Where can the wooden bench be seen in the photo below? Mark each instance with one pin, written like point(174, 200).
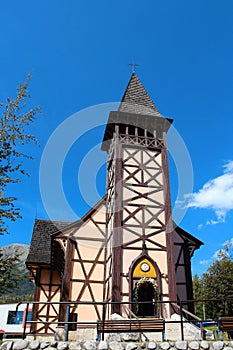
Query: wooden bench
point(225, 324)
point(137, 325)
point(13, 335)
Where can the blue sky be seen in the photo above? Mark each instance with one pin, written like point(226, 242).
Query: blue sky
point(78, 53)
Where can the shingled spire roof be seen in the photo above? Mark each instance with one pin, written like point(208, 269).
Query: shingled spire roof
point(136, 109)
point(136, 99)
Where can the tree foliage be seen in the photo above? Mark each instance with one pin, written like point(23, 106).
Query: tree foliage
point(14, 122)
point(15, 285)
point(198, 292)
point(15, 118)
point(9, 273)
point(216, 283)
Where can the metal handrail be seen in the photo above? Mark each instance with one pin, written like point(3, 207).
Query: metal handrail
point(175, 304)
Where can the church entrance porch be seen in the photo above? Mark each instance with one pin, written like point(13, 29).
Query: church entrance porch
point(145, 287)
point(145, 297)
point(146, 300)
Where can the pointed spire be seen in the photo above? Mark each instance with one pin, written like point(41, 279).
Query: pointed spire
point(136, 99)
point(136, 109)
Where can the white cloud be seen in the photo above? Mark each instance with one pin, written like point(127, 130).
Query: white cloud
point(221, 219)
point(228, 167)
point(204, 262)
point(216, 194)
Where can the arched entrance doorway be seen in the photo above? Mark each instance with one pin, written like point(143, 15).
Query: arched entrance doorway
point(144, 290)
point(146, 297)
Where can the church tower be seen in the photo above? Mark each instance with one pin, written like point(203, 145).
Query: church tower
point(126, 249)
point(140, 233)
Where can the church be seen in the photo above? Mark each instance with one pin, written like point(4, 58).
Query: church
point(126, 250)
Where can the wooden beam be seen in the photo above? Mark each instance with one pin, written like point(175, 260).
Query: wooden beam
point(65, 287)
point(36, 298)
point(117, 229)
point(169, 226)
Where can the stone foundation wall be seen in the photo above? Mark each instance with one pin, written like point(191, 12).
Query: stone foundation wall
point(114, 345)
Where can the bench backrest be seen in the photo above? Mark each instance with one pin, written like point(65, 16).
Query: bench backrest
point(225, 323)
point(138, 324)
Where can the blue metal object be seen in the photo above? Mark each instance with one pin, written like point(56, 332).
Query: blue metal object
point(67, 323)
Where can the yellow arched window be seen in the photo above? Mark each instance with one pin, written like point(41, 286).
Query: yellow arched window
point(144, 268)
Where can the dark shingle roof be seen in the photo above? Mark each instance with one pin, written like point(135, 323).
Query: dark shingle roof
point(136, 109)
point(136, 99)
point(192, 242)
point(40, 247)
point(41, 242)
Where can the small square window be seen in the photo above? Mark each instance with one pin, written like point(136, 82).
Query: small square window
point(15, 317)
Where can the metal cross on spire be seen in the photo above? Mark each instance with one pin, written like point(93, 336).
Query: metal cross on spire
point(133, 65)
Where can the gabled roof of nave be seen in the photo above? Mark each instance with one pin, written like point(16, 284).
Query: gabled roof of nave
point(68, 230)
point(136, 99)
point(40, 247)
point(46, 230)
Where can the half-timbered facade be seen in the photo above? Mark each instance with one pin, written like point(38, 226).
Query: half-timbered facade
point(127, 248)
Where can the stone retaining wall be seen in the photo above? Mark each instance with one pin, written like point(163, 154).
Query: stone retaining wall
point(115, 345)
